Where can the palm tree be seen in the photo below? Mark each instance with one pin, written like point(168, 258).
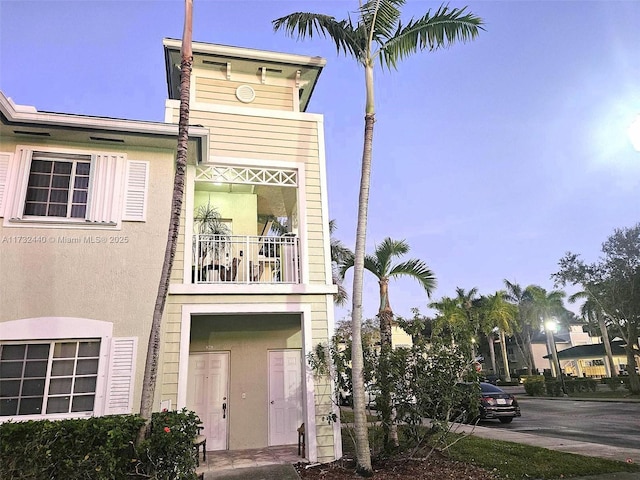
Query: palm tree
point(592, 312)
point(498, 313)
point(382, 266)
point(339, 253)
point(451, 322)
point(377, 35)
point(153, 348)
point(468, 301)
point(522, 298)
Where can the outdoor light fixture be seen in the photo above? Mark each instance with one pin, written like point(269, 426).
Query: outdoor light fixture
point(551, 326)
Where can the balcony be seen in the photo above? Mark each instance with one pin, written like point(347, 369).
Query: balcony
point(245, 259)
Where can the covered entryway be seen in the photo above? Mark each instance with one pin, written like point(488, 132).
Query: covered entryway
point(252, 364)
point(285, 394)
point(207, 394)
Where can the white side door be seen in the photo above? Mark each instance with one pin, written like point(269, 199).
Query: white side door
point(285, 396)
point(207, 395)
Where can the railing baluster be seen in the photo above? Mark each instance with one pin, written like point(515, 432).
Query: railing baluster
point(245, 259)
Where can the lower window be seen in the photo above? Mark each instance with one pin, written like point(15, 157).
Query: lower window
point(48, 377)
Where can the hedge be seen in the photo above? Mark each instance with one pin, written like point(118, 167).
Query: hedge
point(533, 385)
point(99, 448)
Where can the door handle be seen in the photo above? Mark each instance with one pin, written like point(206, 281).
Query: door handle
point(224, 410)
point(271, 402)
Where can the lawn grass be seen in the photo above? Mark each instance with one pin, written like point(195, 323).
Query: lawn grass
point(515, 460)
point(508, 460)
point(621, 393)
point(346, 416)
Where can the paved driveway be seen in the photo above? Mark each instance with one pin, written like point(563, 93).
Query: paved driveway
point(610, 423)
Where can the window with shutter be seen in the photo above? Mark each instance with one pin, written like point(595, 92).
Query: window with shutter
point(62, 367)
point(5, 158)
point(53, 186)
point(121, 376)
point(136, 191)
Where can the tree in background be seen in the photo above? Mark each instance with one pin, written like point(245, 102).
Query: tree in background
point(469, 303)
point(613, 283)
point(523, 299)
point(450, 323)
point(376, 35)
point(381, 265)
point(153, 348)
point(592, 313)
point(339, 254)
point(498, 313)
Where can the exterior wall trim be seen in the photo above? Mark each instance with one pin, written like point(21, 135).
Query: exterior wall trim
point(308, 387)
point(251, 289)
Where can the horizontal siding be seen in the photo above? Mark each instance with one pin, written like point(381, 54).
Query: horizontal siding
point(223, 92)
point(265, 138)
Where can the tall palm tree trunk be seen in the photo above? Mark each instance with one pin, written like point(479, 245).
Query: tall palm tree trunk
point(492, 352)
point(530, 360)
point(385, 404)
point(363, 454)
point(607, 345)
point(505, 360)
point(153, 348)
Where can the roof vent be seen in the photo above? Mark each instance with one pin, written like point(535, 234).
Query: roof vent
point(245, 94)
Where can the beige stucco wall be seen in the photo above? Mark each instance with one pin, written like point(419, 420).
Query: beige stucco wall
point(115, 280)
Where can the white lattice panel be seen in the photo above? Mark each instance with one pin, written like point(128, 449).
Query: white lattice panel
point(247, 175)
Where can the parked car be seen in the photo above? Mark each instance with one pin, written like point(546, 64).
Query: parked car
point(345, 398)
point(494, 403)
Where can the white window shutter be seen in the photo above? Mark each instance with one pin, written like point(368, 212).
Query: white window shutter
point(16, 186)
point(137, 184)
point(121, 375)
point(5, 158)
point(107, 178)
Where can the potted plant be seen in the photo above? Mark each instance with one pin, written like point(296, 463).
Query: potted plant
point(213, 235)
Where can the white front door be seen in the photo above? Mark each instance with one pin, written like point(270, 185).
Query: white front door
point(285, 396)
point(207, 395)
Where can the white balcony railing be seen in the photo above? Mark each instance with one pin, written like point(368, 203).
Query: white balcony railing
point(245, 259)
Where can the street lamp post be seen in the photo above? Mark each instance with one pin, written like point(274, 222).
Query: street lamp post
point(550, 328)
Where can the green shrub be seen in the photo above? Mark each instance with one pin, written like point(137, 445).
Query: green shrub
point(612, 383)
point(553, 388)
point(168, 454)
point(533, 385)
point(99, 448)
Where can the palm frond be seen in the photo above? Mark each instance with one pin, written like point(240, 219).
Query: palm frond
point(443, 28)
point(340, 298)
point(380, 17)
point(418, 270)
point(346, 264)
point(372, 264)
point(303, 25)
point(387, 250)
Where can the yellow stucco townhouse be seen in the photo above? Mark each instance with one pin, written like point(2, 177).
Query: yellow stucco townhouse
point(84, 207)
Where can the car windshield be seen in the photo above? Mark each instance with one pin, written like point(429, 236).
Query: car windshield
point(488, 388)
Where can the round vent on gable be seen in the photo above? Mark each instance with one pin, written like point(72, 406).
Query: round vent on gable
point(245, 94)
